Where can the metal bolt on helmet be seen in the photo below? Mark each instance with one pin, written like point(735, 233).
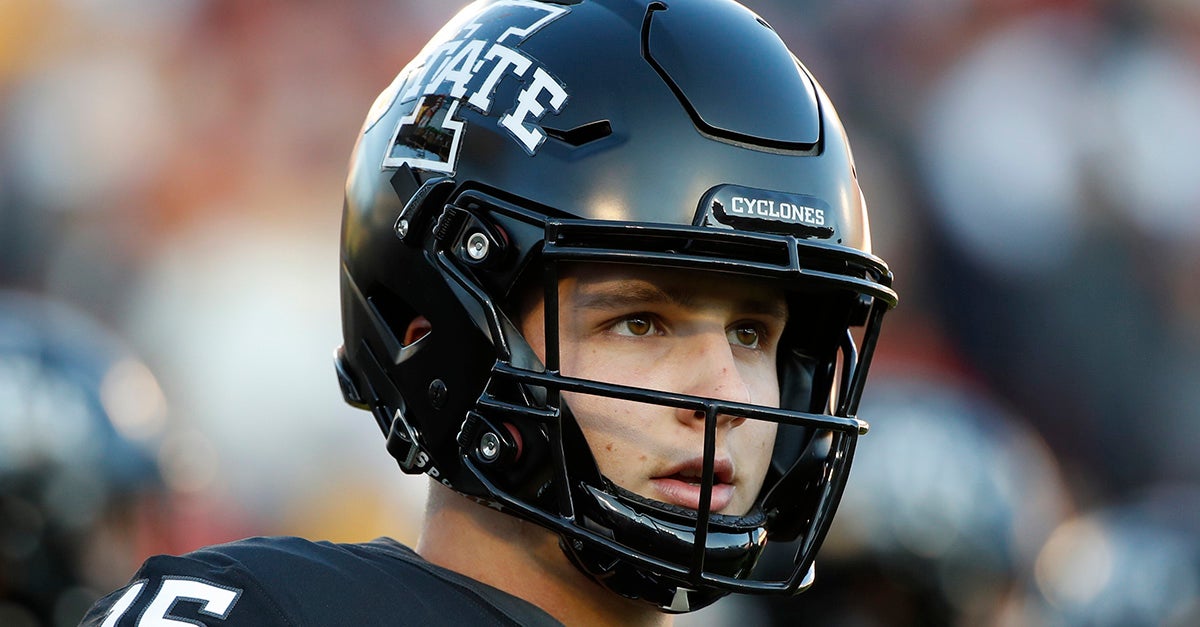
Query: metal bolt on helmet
point(531, 134)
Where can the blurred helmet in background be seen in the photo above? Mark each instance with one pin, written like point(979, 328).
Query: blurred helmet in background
point(951, 499)
point(80, 416)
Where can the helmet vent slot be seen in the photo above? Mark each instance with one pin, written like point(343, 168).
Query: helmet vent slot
point(582, 134)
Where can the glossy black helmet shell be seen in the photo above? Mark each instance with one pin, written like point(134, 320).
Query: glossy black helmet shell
point(527, 134)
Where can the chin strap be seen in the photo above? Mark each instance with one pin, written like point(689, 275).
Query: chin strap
point(733, 545)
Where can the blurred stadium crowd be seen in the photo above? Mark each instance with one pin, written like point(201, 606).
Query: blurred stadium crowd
point(170, 194)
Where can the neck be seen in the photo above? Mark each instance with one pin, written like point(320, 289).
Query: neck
point(522, 559)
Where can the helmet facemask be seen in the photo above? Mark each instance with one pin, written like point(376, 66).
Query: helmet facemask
point(526, 449)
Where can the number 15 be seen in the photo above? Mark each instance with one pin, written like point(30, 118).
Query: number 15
point(216, 602)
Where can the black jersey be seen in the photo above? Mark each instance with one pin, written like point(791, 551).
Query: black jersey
point(292, 581)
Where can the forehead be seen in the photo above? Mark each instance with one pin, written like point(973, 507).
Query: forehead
point(679, 285)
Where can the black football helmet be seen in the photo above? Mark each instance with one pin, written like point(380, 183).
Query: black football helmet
point(676, 134)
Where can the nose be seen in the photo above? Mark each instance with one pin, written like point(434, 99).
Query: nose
point(713, 372)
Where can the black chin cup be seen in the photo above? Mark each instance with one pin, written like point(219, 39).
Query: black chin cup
point(730, 547)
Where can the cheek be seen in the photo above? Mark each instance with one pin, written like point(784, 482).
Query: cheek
point(762, 380)
point(753, 443)
point(585, 360)
point(532, 327)
point(605, 419)
point(614, 429)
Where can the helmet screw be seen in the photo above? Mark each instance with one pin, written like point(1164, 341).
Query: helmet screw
point(402, 228)
point(438, 394)
point(477, 246)
point(489, 447)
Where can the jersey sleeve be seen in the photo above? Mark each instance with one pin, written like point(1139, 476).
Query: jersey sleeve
point(208, 589)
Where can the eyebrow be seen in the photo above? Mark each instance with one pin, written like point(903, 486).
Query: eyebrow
point(633, 295)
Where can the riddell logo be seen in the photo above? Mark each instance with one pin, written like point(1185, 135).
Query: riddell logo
point(465, 71)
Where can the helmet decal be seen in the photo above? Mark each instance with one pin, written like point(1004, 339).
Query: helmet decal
point(464, 66)
point(762, 210)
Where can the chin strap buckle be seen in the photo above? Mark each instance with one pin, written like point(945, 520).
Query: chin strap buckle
point(402, 444)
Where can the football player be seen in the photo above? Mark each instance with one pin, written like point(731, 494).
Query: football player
point(606, 279)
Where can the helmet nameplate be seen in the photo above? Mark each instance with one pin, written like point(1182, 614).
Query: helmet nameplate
point(767, 211)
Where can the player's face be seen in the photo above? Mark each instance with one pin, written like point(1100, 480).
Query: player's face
point(688, 332)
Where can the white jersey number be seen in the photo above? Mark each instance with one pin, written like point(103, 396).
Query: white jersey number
point(216, 601)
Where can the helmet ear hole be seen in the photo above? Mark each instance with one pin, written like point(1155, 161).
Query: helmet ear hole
point(417, 329)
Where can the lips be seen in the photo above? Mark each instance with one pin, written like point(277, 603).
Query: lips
point(681, 484)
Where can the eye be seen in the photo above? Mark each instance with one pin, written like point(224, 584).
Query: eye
point(745, 335)
point(636, 325)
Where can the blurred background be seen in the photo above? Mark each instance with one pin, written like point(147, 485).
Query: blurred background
point(171, 180)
